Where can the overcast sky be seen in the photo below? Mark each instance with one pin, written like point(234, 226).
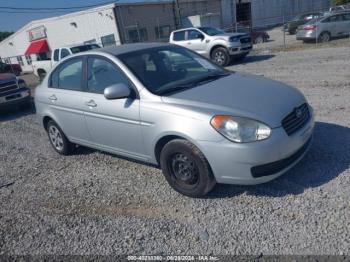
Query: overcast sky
point(14, 21)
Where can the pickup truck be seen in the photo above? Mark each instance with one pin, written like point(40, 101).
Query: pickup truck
point(13, 91)
point(214, 43)
point(41, 68)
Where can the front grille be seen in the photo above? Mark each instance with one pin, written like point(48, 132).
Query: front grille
point(296, 120)
point(4, 87)
point(278, 166)
point(245, 40)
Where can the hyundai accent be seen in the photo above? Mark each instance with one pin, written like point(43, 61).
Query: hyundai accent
point(166, 105)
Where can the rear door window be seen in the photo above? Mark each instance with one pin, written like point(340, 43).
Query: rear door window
point(55, 54)
point(179, 36)
point(69, 75)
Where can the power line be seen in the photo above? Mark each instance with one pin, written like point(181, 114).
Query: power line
point(54, 8)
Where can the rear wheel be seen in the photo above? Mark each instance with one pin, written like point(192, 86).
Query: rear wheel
point(58, 139)
point(324, 37)
point(186, 168)
point(221, 56)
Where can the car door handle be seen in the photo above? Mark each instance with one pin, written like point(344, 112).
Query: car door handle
point(91, 103)
point(53, 98)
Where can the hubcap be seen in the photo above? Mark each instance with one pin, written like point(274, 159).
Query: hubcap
point(259, 40)
point(184, 170)
point(325, 38)
point(56, 138)
point(219, 57)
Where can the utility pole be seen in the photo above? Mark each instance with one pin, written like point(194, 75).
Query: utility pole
point(178, 14)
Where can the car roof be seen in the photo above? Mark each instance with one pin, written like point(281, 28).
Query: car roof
point(127, 48)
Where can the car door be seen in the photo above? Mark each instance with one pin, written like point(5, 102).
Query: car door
point(196, 41)
point(65, 100)
point(114, 125)
point(335, 25)
point(179, 38)
point(347, 24)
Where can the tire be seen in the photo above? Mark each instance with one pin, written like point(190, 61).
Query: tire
point(41, 74)
point(186, 168)
point(259, 40)
point(324, 37)
point(221, 56)
point(58, 139)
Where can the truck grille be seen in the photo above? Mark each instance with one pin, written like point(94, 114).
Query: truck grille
point(4, 87)
point(245, 40)
point(296, 120)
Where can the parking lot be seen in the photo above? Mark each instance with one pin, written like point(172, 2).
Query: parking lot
point(96, 203)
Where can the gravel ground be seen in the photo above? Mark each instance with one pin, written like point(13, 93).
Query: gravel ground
point(96, 203)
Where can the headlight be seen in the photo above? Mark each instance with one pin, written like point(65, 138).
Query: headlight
point(240, 129)
point(21, 84)
point(234, 38)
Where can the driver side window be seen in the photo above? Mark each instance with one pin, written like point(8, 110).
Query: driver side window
point(194, 34)
point(101, 74)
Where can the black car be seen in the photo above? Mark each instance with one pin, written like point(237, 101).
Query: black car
point(291, 26)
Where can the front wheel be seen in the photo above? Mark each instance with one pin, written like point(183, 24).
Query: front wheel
point(58, 139)
point(221, 56)
point(186, 168)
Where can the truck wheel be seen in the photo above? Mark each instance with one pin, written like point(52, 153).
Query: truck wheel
point(186, 168)
point(41, 74)
point(58, 139)
point(221, 56)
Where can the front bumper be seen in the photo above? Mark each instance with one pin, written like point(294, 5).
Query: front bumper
point(234, 163)
point(238, 48)
point(15, 97)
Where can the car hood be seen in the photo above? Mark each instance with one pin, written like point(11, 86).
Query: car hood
point(228, 35)
point(242, 95)
point(7, 77)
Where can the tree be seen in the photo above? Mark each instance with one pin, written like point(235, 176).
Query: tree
point(4, 34)
point(340, 2)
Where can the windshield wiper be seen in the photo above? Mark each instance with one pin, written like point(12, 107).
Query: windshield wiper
point(195, 83)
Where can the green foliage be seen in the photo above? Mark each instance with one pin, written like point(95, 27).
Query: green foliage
point(4, 34)
point(340, 2)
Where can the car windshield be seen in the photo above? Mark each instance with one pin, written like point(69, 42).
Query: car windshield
point(170, 69)
point(211, 31)
point(83, 48)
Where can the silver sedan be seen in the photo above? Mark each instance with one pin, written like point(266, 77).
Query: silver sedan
point(166, 105)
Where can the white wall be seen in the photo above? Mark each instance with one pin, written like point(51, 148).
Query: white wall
point(60, 32)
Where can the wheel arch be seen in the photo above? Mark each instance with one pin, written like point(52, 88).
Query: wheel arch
point(166, 138)
point(215, 47)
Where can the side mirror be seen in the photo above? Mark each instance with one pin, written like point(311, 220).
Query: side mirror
point(201, 37)
point(117, 91)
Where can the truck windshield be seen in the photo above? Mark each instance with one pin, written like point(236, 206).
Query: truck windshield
point(211, 31)
point(170, 69)
point(83, 48)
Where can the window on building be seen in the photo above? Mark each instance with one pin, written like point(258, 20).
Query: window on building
point(108, 40)
point(138, 35)
point(29, 59)
point(179, 36)
point(20, 60)
point(55, 54)
point(102, 74)
point(69, 75)
point(162, 31)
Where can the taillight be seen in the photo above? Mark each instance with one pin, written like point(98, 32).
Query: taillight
point(310, 27)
